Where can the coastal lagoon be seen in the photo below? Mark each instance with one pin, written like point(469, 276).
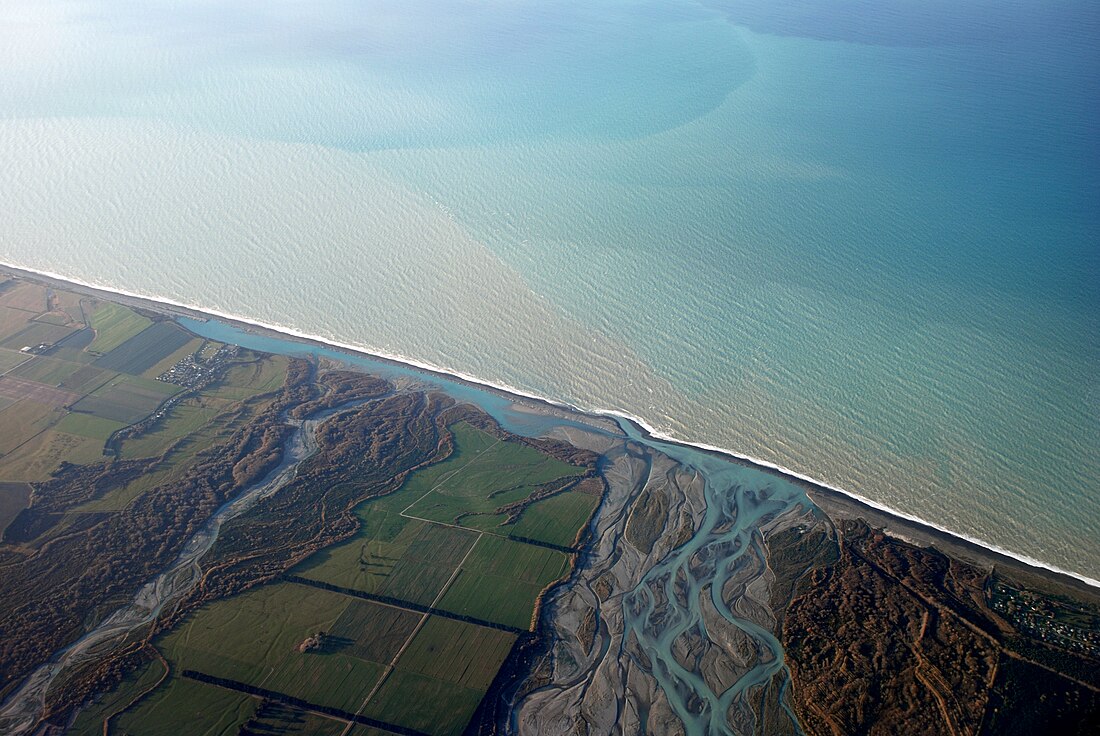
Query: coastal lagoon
point(855, 239)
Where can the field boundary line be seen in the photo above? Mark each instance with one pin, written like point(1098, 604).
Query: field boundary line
point(322, 710)
point(403, 605)
point(419, 625)
point(446, 478)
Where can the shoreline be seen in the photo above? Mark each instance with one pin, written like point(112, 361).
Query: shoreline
point(834, 496)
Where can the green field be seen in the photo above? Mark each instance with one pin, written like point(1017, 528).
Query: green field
point(38, 458)
point(392, 555)
point(402, 558)
point(87, 379)
point(188, 348)
point(126, 399)
point(423, 703)
point(411, 559)
point(11, 322)
point(456, 652)
point(278, 719)
point(114, 324)
point(25, 296)
point(36, 333)
point(89, 722)
point(556, 520)
point(183, 419)
point(88, 425)
point(249, 379)
point(441, 667)
point(253, 638)
point(145, 349)
point(47, 370)
point(501, 580)
point(23, 420)
point(184, 706)
point(10, 359)
point(482, 475)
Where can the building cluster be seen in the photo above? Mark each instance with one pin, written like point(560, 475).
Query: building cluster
point(1047, 621)
point(193, 371)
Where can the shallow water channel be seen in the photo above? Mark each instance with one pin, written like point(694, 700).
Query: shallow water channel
point(665, 605)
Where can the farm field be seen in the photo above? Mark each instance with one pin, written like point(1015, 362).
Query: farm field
point(89, 722)
point(501, 581)
point(145, 349)
point(114, 324)
point(440, 670)
point(417, 616)
point(556, 520)
point(10, 359)
point(60, 404)
point(480, 477)
point(412, 617)
point(46, 370)
point(253, 638)
point(40, 456)
point(126, 399)
point(36, 333)
point(498, 579)
point(186, 706)
point(24, 296)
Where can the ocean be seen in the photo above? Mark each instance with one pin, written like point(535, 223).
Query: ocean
point(859, 239)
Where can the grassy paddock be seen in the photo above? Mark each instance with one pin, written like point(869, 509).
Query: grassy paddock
point(9, 359)
point(249, 379)
point(557, 519)
point(172, 358)
point(47, 370)
point(145, 349)
point(88, 425)
point(89, 722)
point(482, 475)
point(416, 701)
point(25, 296)
point(501, 581)
point(253, 638)
point(126, 399)
point(36, 333)
point(114, 324)
point(459, 653)
point(23, 420)
point(37, 460)
point(185, 706)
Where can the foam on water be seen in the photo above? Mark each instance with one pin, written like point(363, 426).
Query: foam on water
point(855, 247)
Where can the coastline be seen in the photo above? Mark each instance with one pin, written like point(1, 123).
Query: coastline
point(833, 497)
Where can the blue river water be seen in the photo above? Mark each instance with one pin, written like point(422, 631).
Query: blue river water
point(739, 500)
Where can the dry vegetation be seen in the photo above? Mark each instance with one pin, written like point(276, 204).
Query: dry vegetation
point(883, 637)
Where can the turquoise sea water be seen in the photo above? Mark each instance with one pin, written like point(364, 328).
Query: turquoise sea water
point(857, 239)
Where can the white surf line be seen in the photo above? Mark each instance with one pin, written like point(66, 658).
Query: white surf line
point(613, 413)
point(419, 625)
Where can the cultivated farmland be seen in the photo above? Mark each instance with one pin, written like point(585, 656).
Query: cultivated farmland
point(145, 349)
point(114, 324)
